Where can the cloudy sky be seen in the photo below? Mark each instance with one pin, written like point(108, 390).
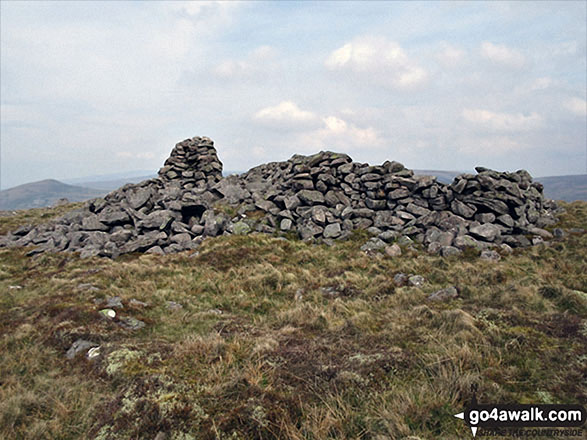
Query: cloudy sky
point(103, 87)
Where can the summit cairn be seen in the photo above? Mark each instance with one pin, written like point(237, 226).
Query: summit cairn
point(193, 162)
point(323, 197)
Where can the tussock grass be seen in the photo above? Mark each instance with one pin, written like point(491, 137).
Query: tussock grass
point(282, 339)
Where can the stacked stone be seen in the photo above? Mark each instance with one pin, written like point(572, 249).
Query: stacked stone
point(193, 162)
point(321, 197)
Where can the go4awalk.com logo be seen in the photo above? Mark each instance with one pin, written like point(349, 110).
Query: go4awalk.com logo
point(504, 419)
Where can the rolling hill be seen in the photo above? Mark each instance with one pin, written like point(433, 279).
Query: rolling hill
point(44, 193)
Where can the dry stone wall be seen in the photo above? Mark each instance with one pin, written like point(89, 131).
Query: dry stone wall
point(321, 197)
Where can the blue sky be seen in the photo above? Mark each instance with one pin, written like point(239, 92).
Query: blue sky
point(98, 87)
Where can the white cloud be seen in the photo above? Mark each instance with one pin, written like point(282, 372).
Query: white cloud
point(378, 59)
point(286, 115)
point(203, 8)
point(449, 55)
point(503, 55)
point(576, 106)
point(490, 146)
point(502, 121)
point(339, 134)
point(315, 131)
point(263, 52)
point(256, 64)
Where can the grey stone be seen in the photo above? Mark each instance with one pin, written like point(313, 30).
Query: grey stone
point(121, 237)
point(184, 240)
point(506, 219)
point(310, 197)
point(157, 220)
point(487, 232)
point(404, 240)
point(197, 229)
point(543, 233)
point(212, 227)
point(318, 215)
point(80, 345)
point(241, 228)
point(92, 223)
point(416, 280)
point(449, 251)
point(136, 199)
point(233, 194)
point(112, 217)
point(332, 230)
point(130, 323)
point(506, 249)
point(434, 248)
point(400, 279)
point(144, 242)
point(486, 217)
point(558, 233)
point(412, 208)
point(172, 305)
point(462, 209)
point(286, 224)
point(393, 251)
point(389, 236)
point(399, 193)
point(136, 303)
point(373, 244)
point(490, 255)
point(445, 294)
point(373, 230)
point(376, 204)
point(308, 230)
point(114, 302)
point(291, 202)
point(155, 250)
point(465, 241)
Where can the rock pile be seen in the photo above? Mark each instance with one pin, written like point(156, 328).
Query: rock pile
point(319, 197)
point(192, 162)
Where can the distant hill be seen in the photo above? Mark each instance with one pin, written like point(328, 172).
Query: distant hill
point(567, 188)
point(111, 185)
point(44, 193)
point(110, 182)
point(441, 176)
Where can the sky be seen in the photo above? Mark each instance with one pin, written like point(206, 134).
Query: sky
point(90, 88)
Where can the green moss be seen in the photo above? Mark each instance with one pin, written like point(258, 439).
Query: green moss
point(119, 359)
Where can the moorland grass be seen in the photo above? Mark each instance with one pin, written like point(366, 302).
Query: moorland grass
point(257, 351)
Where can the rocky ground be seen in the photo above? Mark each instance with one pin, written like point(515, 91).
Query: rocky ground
point(323, 198)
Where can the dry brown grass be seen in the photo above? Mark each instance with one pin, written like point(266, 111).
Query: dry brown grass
point(259, 351)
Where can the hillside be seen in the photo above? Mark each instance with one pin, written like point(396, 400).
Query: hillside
point(261, 337)
point(44, 193)
point(111, 181)
point(567, 188)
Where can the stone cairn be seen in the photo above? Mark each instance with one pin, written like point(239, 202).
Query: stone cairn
point(323, 197)
point(193, 162)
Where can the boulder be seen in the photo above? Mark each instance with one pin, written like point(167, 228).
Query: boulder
point(310, 197)
point(487, 232)
point(445, 294)
point(332, 230)
point(393, 251)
